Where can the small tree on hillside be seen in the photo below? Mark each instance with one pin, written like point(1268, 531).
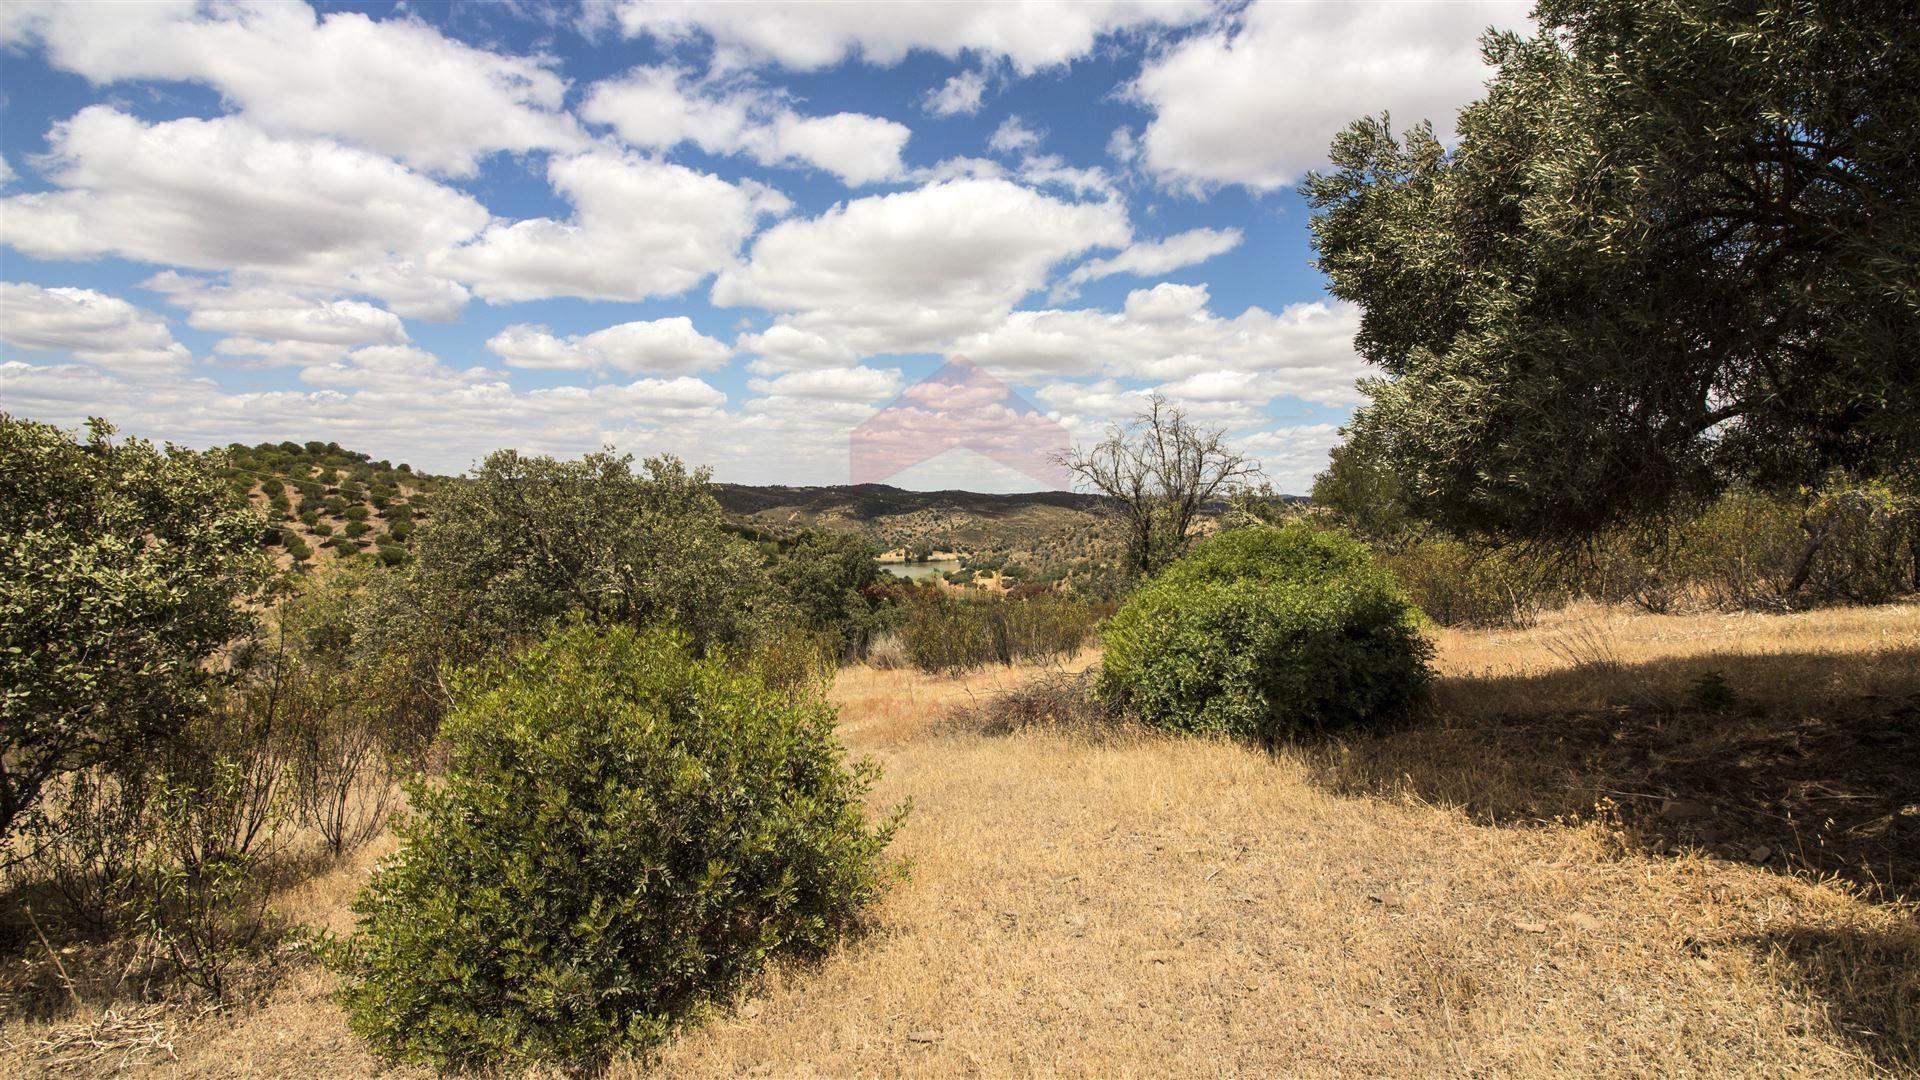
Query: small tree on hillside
point(1160, 471)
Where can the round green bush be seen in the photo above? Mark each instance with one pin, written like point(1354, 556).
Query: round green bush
point(1268, 633)
point(624, 834)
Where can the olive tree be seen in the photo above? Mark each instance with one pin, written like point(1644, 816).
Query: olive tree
point(1673, 251)
point(124, 571)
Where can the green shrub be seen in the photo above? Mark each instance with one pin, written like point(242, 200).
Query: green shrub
point(946, 634)
point(830, 581)
point(524, 540)
point(624, 834)
point(1844, 543)
point(1266, 633)
point(125, 571)
point(1459, 584)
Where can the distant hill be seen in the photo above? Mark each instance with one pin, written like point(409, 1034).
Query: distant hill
point(895, 517)
point(324, 502)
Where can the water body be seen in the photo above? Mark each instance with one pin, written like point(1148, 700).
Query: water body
point(914, 571)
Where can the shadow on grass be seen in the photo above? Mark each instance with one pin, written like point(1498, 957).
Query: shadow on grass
point(1794, 769)
point(73, 948)
point(1870, 981)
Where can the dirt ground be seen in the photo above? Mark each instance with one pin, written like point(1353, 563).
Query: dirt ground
point(1560, 872)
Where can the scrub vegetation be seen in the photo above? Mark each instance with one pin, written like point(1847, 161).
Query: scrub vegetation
point(1568, 729)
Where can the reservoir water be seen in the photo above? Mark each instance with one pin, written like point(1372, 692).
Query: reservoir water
point(914, 571)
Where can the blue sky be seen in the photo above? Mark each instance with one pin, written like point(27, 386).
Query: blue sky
point(731, 232)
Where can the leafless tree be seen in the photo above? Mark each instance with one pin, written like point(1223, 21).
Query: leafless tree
point(1160, 471)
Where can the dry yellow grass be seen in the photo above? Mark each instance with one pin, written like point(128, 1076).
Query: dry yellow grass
point(1148, 906)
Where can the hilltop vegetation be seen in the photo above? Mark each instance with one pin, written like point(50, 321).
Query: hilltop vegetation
point(324, 503)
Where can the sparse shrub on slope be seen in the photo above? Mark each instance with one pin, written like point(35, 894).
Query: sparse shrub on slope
point(944, 634)
point(624, 833)
point(1267, 633)
point(1460, 584)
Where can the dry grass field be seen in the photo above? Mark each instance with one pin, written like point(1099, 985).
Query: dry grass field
point(1581, 865)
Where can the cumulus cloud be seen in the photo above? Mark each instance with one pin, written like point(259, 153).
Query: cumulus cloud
point(1167, 334)
point(1250, 104)
point(808, 36)
point(784, 348)
point(1013, 136)
point(960, 95)
point(396, 86)
point(1148, 258)
point(7, 175)
point(391, 400)
point(274, 324)
point(222, 195)
point(1292, 455)
point(89, 326)
point(662, 346)
point(1049, 170)
point(852, 383)
point(640, 228)
point(662, 107)
point(911, 269)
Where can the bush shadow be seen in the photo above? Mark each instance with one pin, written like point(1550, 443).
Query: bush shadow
point(1801, 762)
point(1869, 980)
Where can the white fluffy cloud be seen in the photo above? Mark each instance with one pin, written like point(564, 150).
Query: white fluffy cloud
point(1013, 136)
point(853, 383)
point(222, 195)
point(911, 269)
point(277, 325)
point(960, 95)
point(1292, 455)
point(1251, 104)
point(1167, 334)
point(396, 86)
point(783, 347)
point(392, 401)
point(662, 346)
point(640, 228)
point(662, 107)
point(1152, 257)
point(808, 36)
point(89, 325)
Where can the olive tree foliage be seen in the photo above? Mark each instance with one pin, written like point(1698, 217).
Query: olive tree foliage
point(1676, 247)
point(124, 570)
point(1160, 471)
point(525, 540)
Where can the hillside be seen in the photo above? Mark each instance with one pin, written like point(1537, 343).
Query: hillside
point(325, 503)
point(894, 517)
